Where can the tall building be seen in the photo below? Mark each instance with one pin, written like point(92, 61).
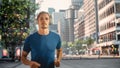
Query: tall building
point(59, 20)
point(90, 19)
point(109, 26)
point(62, 25)
point(56, 16)
point(71, 15)
point(77, 3)
point(53, 27)
point(79, 26)
point(70, 24)
point(51, 10)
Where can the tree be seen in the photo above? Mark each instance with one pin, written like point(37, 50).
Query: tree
point(14, 20)
point(78, 45)
point(89, 41)
point(65, 46)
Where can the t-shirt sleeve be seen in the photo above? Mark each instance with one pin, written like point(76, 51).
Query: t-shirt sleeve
point(59, 43)
point(27, 45)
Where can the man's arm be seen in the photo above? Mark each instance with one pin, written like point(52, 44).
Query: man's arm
point(24, 58)
point(59, 54)
point(59, 57)
point(25, 61)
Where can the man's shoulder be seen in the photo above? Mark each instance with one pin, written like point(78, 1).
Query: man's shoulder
point(54, 33)
point(31, 35)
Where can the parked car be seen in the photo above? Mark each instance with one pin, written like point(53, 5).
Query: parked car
point(10, 54)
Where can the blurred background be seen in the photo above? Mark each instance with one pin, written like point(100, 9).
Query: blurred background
point(89, 29)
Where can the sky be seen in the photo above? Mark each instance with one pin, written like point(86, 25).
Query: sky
point(57, 4)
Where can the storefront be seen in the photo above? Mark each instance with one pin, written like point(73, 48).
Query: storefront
point(96, 51)
point(110, 50)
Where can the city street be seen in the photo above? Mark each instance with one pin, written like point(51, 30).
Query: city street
point(91, 63)
point(82, 63)
point(83, 33)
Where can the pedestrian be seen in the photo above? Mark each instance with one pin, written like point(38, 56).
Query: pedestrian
point(42, 45)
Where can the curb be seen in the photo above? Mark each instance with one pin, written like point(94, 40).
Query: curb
point(91, 57)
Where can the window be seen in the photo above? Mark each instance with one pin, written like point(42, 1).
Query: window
point(117, 7)
point(118, 24)
point(104, 3)
point(114, 35)
point(119, 37)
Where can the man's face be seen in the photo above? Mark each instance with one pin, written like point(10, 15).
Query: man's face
point(43, 21)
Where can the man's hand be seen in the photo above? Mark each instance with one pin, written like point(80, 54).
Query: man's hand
point(57, 63)
point(34, 64)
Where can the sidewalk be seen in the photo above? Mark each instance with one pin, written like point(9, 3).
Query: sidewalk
point(90, 57)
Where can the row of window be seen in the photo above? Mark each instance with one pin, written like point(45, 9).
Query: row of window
point(107, 13)
point(108, 37)
point(104, 3)
point(90, 12)
point(107, 25)
point(110, 11)
point(81, 29)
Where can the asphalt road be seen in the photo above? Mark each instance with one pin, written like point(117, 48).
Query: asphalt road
point(82, 63)
point(9, 64)
point(91, 63)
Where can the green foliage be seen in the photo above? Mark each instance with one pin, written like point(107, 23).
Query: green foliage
point(64, 44)
point(16, 11)
point(89, 41)
point(78, 44)
point(14, 17)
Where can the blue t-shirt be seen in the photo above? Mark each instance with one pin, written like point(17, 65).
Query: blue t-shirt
point(43, 48)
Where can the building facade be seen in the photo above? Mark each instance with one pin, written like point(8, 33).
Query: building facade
point(51, 10)
point(59, 20)
point(70, 24)
point(89, 17)
point(109, 26)
point(71, 15)
point(79, 27)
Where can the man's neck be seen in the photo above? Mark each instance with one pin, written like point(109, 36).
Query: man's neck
point(43, 31)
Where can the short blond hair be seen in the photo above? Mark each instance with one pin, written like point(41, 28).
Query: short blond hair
point(43, 12)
